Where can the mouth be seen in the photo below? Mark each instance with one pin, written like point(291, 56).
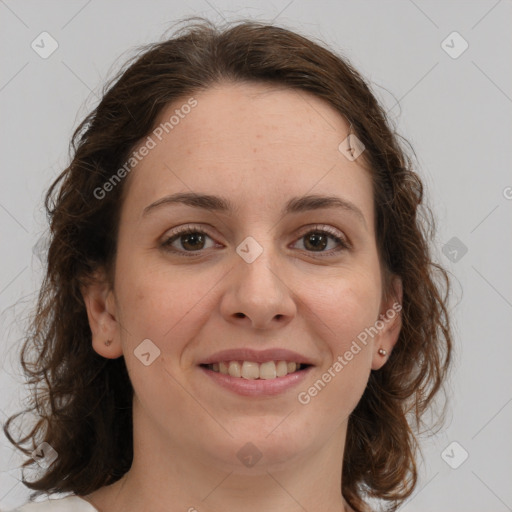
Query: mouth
point(252, 370)
point(257, 373)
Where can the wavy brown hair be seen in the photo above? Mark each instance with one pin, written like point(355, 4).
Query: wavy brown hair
point(83, 401)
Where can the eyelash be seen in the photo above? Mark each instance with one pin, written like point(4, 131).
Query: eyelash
point(190, 229)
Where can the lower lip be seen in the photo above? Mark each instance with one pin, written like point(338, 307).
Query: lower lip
point(257, 387)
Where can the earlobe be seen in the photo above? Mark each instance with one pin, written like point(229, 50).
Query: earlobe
point(391, 321)
point(100, 305)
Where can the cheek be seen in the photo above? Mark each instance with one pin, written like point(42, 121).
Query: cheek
point(167, 306)
point(343, 315)
point(346, 308)
point(163, 307)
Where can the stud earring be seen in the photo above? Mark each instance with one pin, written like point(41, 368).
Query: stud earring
point(382, 352)
point(108, 342)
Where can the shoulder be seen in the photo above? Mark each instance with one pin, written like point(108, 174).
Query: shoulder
point(68, 504)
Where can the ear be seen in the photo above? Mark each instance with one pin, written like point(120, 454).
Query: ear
point(391, 321)
point(101, 311)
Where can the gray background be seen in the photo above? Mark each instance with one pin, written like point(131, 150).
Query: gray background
point(456, 112)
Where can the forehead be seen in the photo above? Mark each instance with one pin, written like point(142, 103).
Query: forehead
point(251, 141)
point(259, 116)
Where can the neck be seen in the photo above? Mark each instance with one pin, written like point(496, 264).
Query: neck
point(168, 476)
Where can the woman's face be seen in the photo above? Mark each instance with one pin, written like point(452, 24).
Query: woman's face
point(265, 275)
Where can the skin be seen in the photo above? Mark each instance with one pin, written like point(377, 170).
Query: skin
point(258, 146)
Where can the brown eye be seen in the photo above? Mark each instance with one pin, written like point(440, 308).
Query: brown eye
point(186, 240)
point(191, 241)
point(318, 240)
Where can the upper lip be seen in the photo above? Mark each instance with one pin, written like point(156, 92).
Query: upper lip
point(257, 356)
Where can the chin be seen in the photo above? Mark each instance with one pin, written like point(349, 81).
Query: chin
point(269, 446)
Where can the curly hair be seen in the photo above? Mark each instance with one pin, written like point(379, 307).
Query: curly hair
point(84, 401)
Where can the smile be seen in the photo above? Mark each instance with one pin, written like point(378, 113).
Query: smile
point(251, 370)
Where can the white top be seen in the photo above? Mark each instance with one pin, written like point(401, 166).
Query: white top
point(68, 504)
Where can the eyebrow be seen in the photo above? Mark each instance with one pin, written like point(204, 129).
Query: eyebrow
point(224, 205)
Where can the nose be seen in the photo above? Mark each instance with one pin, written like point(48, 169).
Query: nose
point(257, 294)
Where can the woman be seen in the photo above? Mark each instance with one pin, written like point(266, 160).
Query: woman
point(240, 308)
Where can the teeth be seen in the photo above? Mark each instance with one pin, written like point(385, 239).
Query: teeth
point(234, 369)
point(268, 370)
point(251, 370)
point(281, 368)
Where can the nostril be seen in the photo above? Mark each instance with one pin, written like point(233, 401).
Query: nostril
point(239, 315)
